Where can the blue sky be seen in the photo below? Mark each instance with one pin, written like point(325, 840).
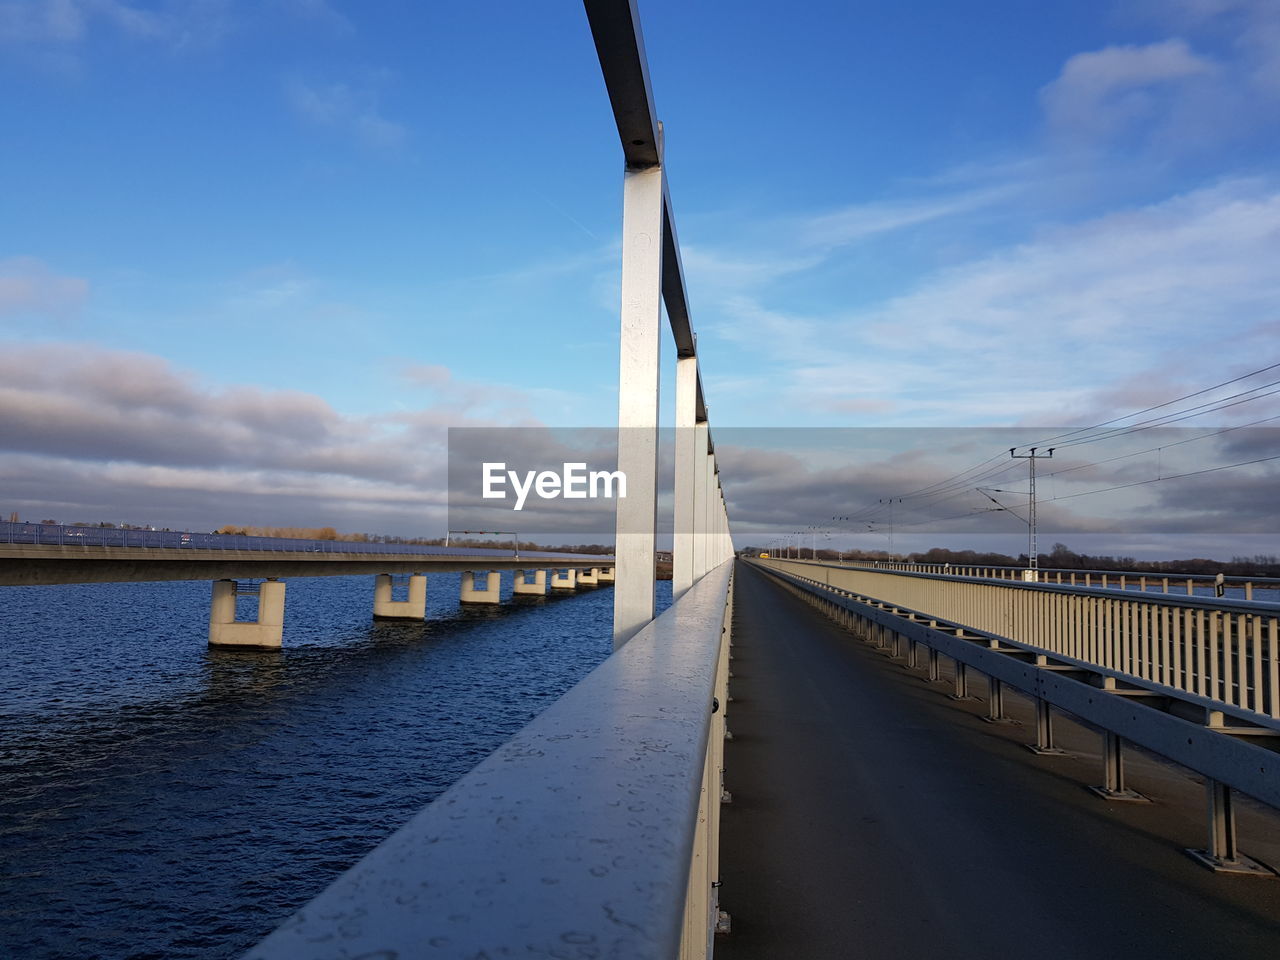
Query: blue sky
point(254, 257)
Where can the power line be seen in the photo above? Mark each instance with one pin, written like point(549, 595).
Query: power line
point(964, 481)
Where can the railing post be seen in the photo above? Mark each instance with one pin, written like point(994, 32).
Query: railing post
point(1222, 854)
point(638, 391)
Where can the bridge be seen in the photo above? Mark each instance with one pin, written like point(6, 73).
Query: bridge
point(45, 554)
point(806, 759)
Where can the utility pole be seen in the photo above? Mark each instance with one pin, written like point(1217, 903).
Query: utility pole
point(1033, 558)
point(891, 501)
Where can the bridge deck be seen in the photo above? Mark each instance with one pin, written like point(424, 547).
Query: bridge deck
point(874, 817)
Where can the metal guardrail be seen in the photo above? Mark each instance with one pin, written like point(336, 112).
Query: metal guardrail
point(1227, 651)
point(591, 833)
point(1232, 748)
point(62, 535)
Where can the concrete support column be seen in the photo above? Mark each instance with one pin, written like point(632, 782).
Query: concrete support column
point(564, 579)
point(266, 632)
point(490, 593)
point(589, 578)
point(537, 588)
point(413, 608)
point(605, 575)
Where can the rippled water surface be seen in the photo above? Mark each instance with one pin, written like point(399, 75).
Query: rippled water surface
point(160, 799)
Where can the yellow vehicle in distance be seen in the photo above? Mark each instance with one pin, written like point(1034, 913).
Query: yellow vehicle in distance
point(764, 556)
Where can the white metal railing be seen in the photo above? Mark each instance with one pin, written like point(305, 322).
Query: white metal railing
point(592, 832)
point(1223, 650)
point(1139, 580)
point(595, 831)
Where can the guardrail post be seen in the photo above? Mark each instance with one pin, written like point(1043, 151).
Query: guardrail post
point(1222, 855)
point(1044, 744)
point(961, 689)
point(995, 703)
point(1113, 786)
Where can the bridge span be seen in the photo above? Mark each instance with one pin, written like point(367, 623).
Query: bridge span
point(47, 554)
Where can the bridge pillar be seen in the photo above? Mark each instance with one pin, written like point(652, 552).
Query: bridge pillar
point(266, 632)
point(489, 593)
point(564, 579)
point(589, 578)
point(385, 608)
point(538, 587)
point(606, 575)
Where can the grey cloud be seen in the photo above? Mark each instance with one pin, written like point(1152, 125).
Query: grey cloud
point(95, 427)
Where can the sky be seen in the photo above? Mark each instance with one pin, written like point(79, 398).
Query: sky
point(257, 257)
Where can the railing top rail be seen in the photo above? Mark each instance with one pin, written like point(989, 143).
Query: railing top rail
point(572, 839)
point(1156, 574)
point(1163, 599)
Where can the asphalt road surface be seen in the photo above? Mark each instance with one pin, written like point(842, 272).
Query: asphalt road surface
point(873, 817)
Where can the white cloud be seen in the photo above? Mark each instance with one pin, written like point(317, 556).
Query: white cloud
point(1185, 284)
point(864, 221)
point(342, 107)
point(63, 23)
point(1103, 93)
